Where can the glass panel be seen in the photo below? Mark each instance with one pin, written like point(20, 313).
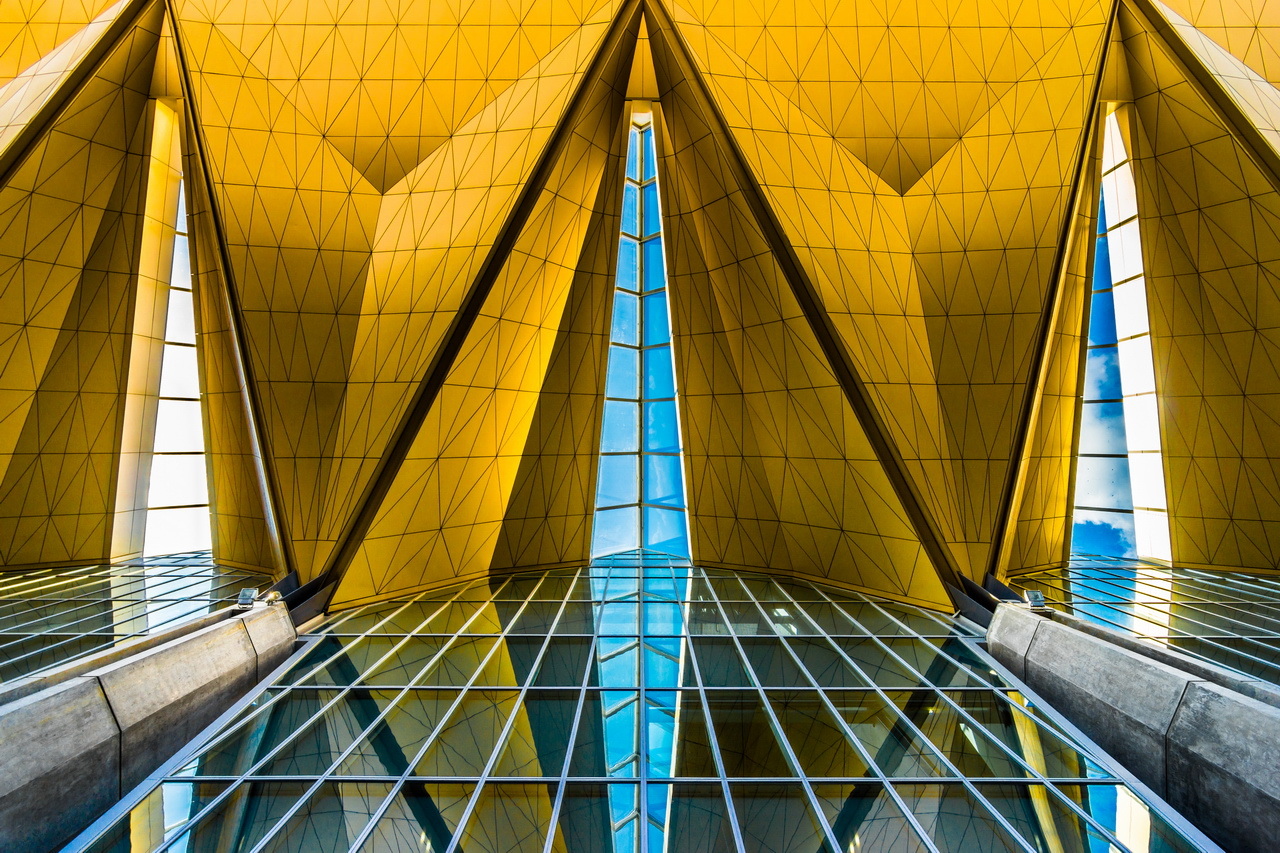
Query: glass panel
point(587, 820)
point(621, 431)
point(1102, 428)
point(244, 818)
point(663, 481)
point(468, 738)
point(864, 817)
point(179, 429)
point(818, 741)
point(1102, 374)
point(564, 662)
point(654, 263)
point(720, 664)
point(665, 531)
point(332, 818)
point(319, 745)
point(877, 664)
point(619, 481)
point(1102, 316)
point(539, 740)
point(777, 818)
point(924, 659)
point(164, 812)
point(171, 531)
point(626, 328)
point(955, 820)
point(896, 749)
point(659, 378)
point(1042, 818)
point(389, 746)
point(689, 816)
point(631, 209)
point(616, 530)
point(745, 735)
point(628, 264)
point(509, 818)
point(773, 666)
point(458, 663)
point(1103, 482)
point(624, 373)
point(421, 818)
point(657, 329)
point(633, 156)
point(180, 273)
point(973, 753)
point(652, 216)
point(825, 664)
point(179, 375)
point(661, 434)
point(404, 664)
point(1133, 822)
point(650, 155)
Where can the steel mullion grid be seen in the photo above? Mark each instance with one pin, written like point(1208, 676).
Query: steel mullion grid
point(912, 819)
point(194, 821)
point(445, 718)
point(713, 738)
point(500, 744)
point(1050, 782)
point(1172, 632)
point(303, 800)
point(168, 597)
point(946, 762)
point(1203, 591)
point(643, 779)
point(774, 723)
point(572, 744)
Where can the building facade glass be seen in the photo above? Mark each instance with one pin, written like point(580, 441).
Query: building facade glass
point(638, 705)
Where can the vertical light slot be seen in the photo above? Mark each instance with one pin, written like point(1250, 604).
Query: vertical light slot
point(1121, 506)
point(178, 496)
point(640, 490)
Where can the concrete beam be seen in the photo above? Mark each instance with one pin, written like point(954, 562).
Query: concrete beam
point(1223, 766)
point(59, 764)
point(70, 751)
point(1212, 752)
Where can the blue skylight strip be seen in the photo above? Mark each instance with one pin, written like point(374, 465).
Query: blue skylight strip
point(640, 496)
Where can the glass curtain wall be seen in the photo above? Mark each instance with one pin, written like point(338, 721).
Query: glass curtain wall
point(640, 492)
point(794, 717)
point(1121, 507)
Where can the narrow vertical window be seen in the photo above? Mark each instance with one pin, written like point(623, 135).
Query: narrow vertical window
point(178, 495)
point(1121, 508)
point(640, 496)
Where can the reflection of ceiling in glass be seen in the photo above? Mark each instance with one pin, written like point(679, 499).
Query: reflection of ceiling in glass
point(641, 704)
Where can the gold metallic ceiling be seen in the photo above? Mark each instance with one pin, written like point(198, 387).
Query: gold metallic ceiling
point(405, 217)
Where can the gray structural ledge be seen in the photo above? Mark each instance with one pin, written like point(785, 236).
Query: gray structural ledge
point(1204, 738)
point(69, 752)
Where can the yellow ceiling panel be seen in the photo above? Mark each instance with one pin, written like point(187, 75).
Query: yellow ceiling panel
point(32, 30)
point(446, 504)
point(69, 237)
point(957, 259)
